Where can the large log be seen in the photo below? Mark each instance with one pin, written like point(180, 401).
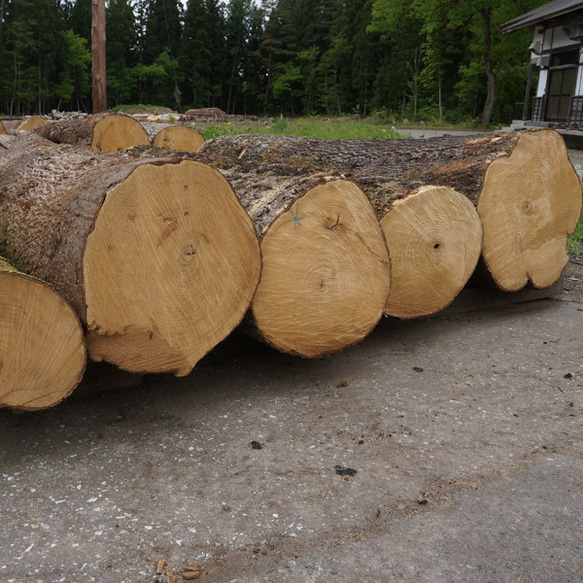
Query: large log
point(42, 346)
point(157, 256)
point(103, 132)
point(326, 270)
point(526, 191)
point(177, 137)
point(433, 232)
point(30, 124)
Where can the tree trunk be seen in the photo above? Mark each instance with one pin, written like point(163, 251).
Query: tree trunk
point(98, 56)
point(491, 76)
point(176, 137)
point(326, 271)
point(526, 191)
point(102, 132)
point(157, 256)
point(2, 128)
point(42, 347)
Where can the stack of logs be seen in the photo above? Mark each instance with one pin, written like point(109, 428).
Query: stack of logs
point(148, 254)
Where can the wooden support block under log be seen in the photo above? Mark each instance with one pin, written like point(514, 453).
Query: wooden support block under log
point(326, 271)
point(102, 132)
point(42, 346)
point(176, 137)
point(523, 184)
point(157, 256)
point(433, 233)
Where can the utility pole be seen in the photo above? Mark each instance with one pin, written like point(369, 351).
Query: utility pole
point(98, 64)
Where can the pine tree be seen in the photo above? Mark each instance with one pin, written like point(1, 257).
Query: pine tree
point(122, 55)
point(196, 54)
point(163, 29)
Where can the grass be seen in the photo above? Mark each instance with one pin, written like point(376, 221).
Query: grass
point(575, 241)
point(335, 127)
point(313, 127)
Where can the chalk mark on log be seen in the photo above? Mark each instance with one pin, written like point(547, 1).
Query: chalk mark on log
point(296, 220)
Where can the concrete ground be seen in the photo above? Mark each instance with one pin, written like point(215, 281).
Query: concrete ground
point(440, 450)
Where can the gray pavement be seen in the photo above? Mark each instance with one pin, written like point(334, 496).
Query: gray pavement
point(441, 450)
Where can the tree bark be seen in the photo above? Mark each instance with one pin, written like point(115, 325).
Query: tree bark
point(433, 232)
point(98, 56)
point(177, 137)
point(103, 132)
point(157, 256)
point(326, 271)
point(42, 346)
point(525, 189)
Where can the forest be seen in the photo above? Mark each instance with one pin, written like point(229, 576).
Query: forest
point(432, 60)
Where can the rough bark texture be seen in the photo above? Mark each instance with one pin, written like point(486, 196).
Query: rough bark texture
point(434, 234)
point(103, 132)
point(326, 271)
point(157, 256)
point(98, 56)
point(525, 229)
point(42, 346)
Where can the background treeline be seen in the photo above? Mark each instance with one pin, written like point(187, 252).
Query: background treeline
point(415, 59)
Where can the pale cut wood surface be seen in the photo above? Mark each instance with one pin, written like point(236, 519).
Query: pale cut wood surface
point(434, 237)
point(326, 269)
point(42, 346)
point(529, 205)
point(31, 123)
point(182, 231)
point(174, 262)
point(103, 132)
point(177, 137)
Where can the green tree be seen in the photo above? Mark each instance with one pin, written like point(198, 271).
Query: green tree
point(122, 38)
point(162, 29)
point(34, 53)
point(75, 77)
point(399, 25)
point(201, 53)
point(460, 42)
point(79, 19)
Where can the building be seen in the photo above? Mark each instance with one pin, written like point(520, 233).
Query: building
point(557, 51)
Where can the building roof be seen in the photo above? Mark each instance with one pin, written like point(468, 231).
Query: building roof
point(544, 13)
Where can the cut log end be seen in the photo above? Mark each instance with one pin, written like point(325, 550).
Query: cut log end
point(435, 239)
point(170, 268)
point(31, 123)
point(42, 348)
point(326, 272)
point(114, 133)
point(530, 204)
point(181, 138)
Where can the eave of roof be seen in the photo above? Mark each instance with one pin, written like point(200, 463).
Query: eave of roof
point(543, 13)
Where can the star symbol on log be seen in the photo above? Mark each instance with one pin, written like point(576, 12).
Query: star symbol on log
point(296, 218)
